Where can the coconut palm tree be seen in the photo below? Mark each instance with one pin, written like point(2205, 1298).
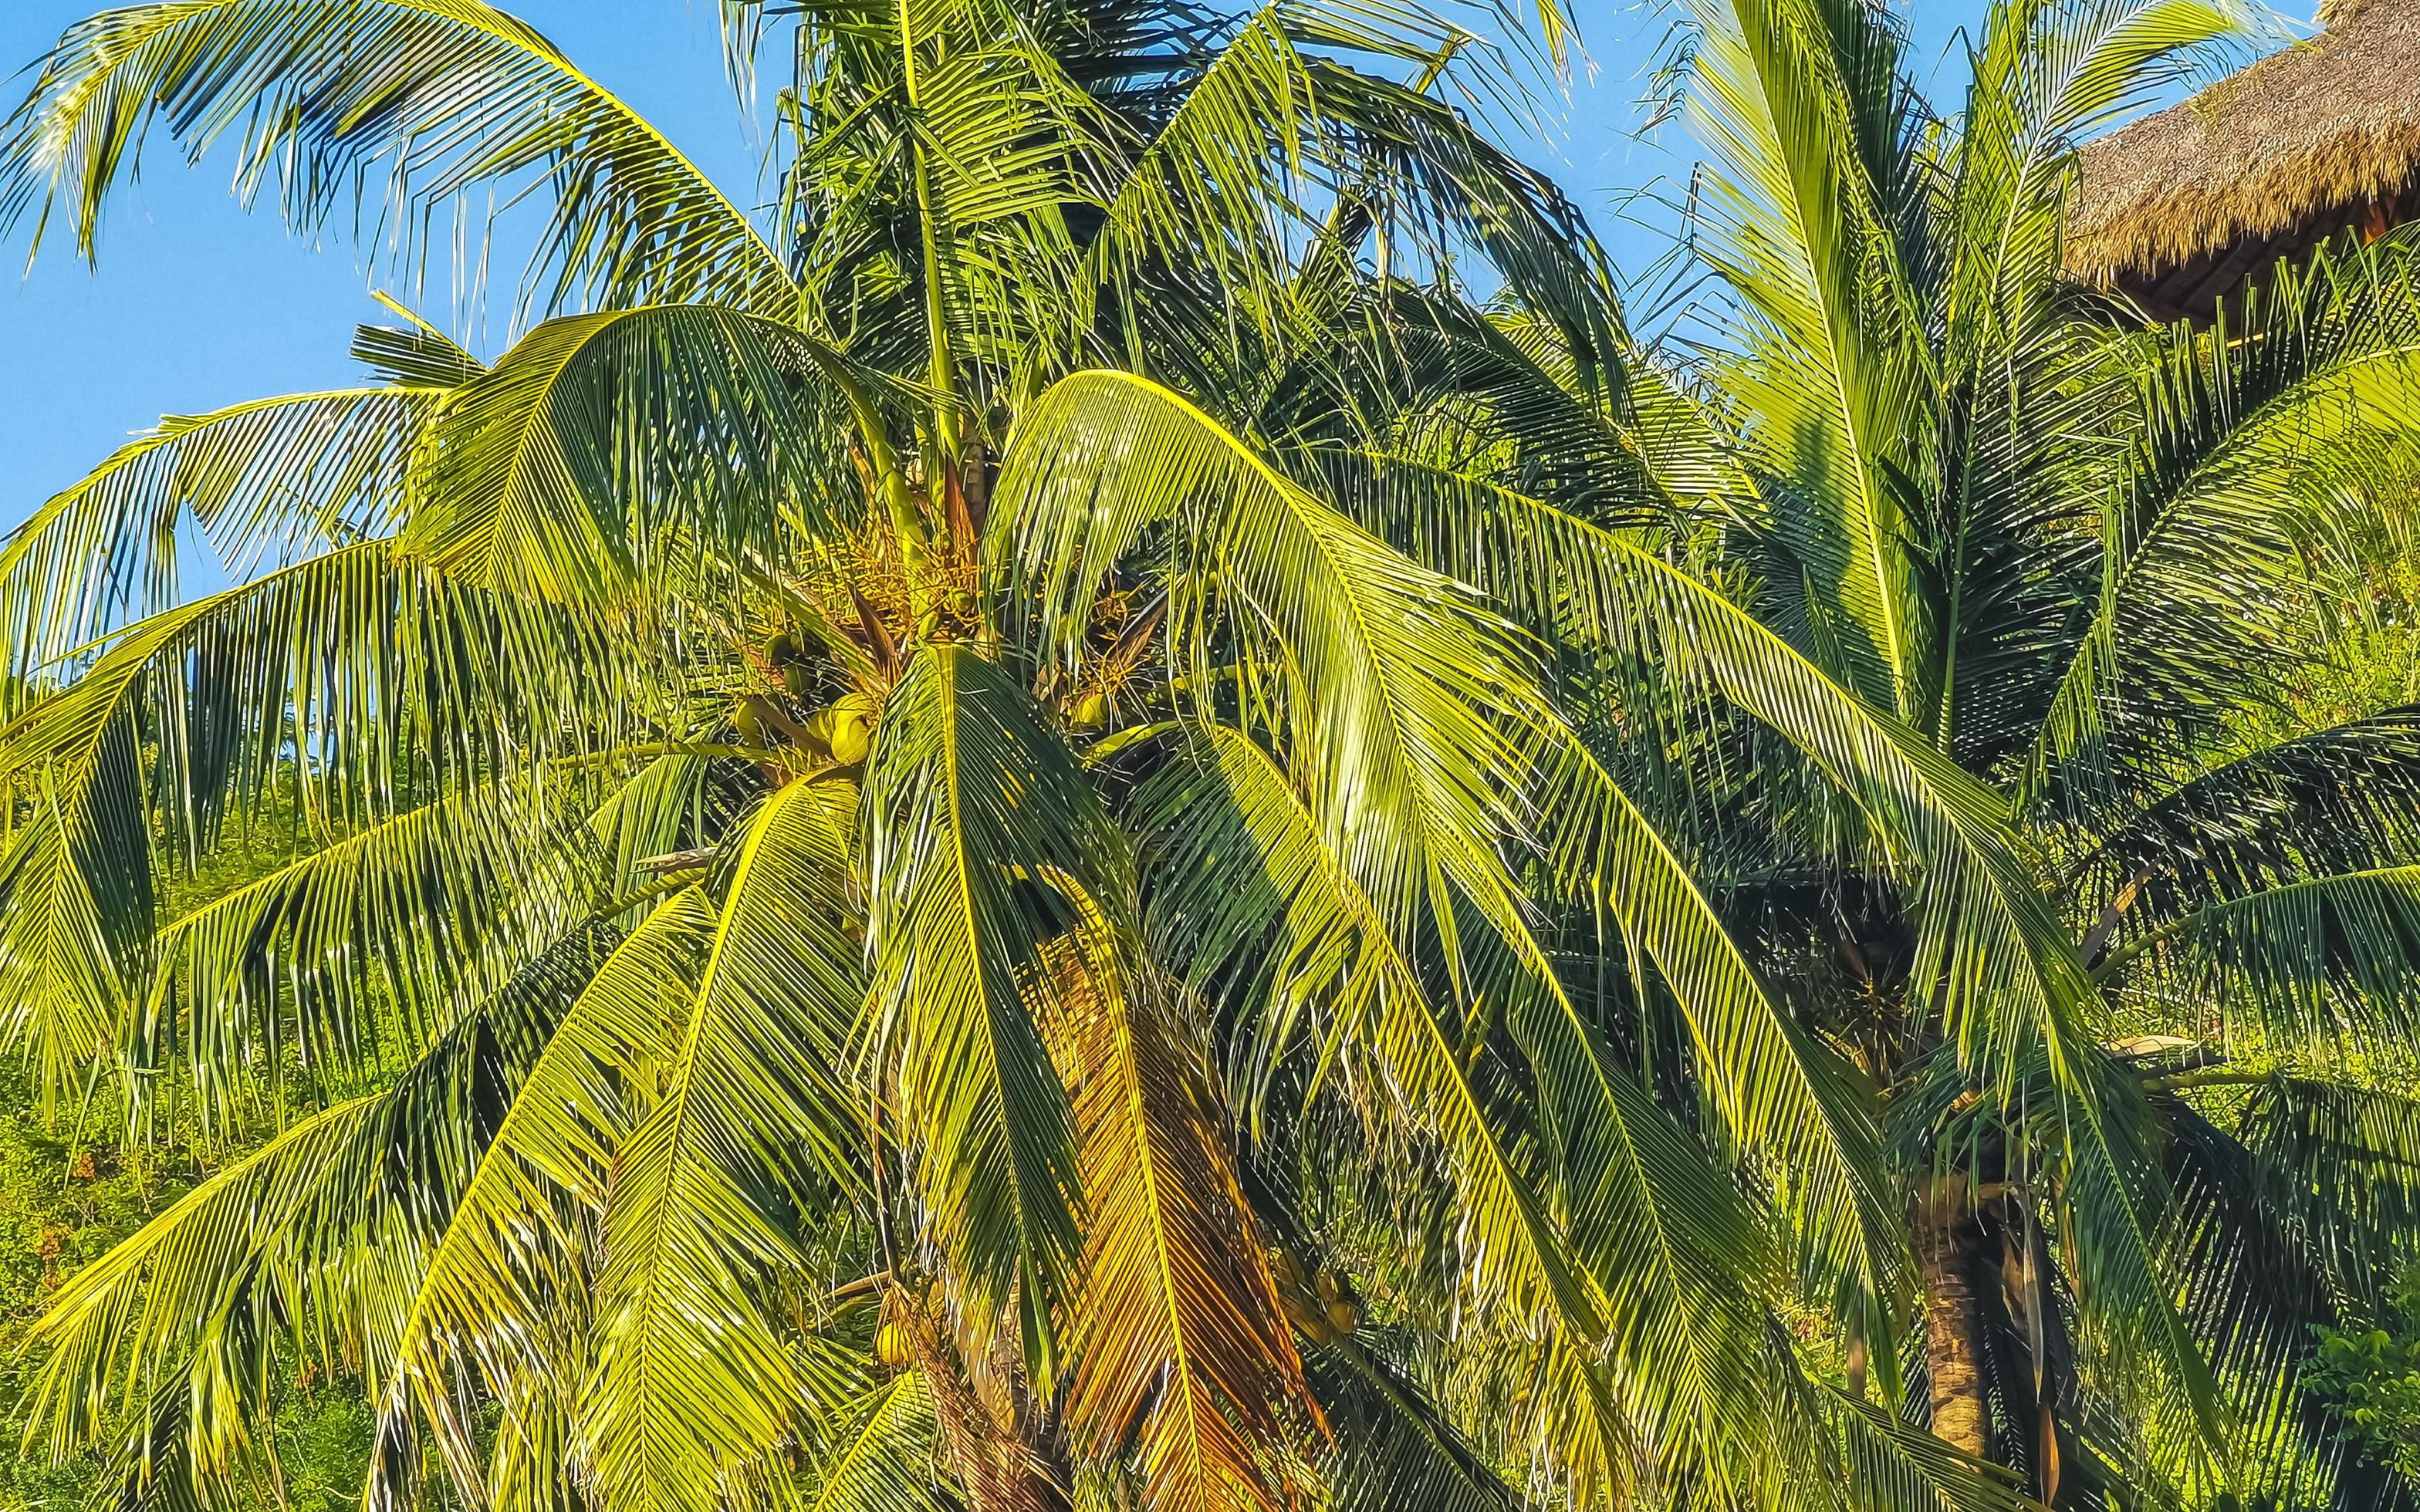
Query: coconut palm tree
point(889, 911)
point(879, 891)
point(2116, 954)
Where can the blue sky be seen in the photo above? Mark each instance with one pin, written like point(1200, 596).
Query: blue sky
point(196, 304)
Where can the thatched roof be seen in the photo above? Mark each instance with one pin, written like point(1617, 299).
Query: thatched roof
point(2323, 135)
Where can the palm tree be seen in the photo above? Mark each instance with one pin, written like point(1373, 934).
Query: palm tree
point(2114, 936)
point(869, 795)
point(879, 878)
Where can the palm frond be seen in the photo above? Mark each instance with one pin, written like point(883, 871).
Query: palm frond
point(385, 937)
point(414, 356)
point(1890, 1462)
point(2046, 75)
point(695, 1382)
point(1801, 105)
point(1438, 185)
point(273, 477)
point(344, 674)
point(1402, 689)
point(1776, 1088)
point(2243, 429)
point(161, 1292)
point(440, 98)
point(973, 812)
point(292, 1254)
point(1279, 128)
point(1394, 1447)
point(2290, 1220)
point(1645, 1251)
point(2013, 993)
point(2336, 800)
point(77, 900)
point(2018, 975)
point(502, 1295)
point(604, 447)
point(2307, 962)
point(882, 1459)
point(1185, 1348)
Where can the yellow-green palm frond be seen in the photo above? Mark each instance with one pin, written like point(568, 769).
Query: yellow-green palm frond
point(606, 452)
point(342, 676)
point(882, 1451)
point(500, 1309)
point(1625, 1255)
point(696, 1384)
point(437, 97)
point(387, 936)
point(271, 478)
point(972, 807)
point(162, 1295)
point(1402, 695)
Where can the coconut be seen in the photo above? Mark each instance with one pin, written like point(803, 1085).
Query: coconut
point(892, 1346)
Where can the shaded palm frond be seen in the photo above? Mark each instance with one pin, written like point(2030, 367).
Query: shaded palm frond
point(882, 1454)
point(2337, 800)
point(1776, 1090)
point(974, 814)
point(2290, 1220)
point(1394, 1447)
point(2242, 430)
point(2310, 961)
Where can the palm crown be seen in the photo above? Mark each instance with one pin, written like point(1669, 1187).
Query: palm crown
point(2064, 554)
point(927, 832)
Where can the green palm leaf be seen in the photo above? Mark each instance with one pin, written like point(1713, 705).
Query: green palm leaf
point(343, 671)
point(604, 448)
point(1398, 685)
point(695, 1384)
point(1792, 97)
point(2307, 962)
point(388, 936)
point(2245, 434)
point(1641, 1249)
point(438, 97)
point(164, 1293)
point(502, 1298)
point(883, 1458)
point(274, 475)
point(1394, 1446)
point(982, 836)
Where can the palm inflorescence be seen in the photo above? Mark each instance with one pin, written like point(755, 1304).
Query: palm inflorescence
point(1120, 808)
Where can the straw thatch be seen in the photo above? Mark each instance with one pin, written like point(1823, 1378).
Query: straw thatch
point(2322, 135)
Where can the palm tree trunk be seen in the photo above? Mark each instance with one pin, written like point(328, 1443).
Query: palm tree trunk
point(1004, 1460)
point(1948, 1243)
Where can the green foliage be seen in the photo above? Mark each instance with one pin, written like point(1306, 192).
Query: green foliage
point(2370, 1378)
point(1125, 811)
point(68, 1193)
